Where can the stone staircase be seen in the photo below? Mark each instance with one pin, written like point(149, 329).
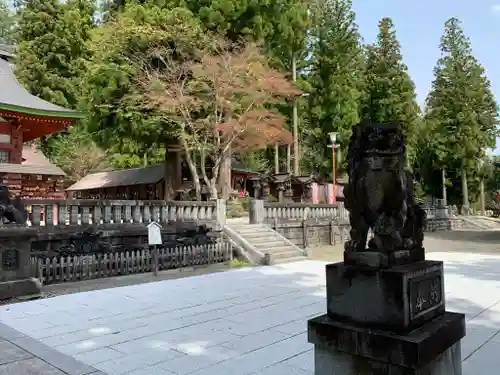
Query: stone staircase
point(480, 223)
point(260, 244)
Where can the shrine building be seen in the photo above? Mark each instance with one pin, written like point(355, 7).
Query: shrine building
point(23, 119)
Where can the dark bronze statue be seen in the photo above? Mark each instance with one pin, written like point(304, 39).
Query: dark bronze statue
point(11, 211)
point(379, 195)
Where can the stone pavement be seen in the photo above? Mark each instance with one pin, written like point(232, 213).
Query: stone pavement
point(241, 322)
point(23, 355)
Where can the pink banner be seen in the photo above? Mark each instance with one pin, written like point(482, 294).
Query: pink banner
point(315, 193)
point(329, 193)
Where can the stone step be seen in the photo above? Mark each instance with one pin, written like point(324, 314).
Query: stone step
point(278, 250)
point(285, 254)
point(289, 260)
point(268, 241)
point(269, 244)
point(248, 226)
point(251, 229)
point(255, 235)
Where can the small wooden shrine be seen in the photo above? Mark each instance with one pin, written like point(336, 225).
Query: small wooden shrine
point(24, 118)
point(146, 183)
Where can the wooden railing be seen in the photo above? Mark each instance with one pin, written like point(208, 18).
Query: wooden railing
point(86, 211)
point(304, 211)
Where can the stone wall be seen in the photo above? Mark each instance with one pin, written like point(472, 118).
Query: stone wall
point(443, 224)
point(311, 233)
point(115, 238)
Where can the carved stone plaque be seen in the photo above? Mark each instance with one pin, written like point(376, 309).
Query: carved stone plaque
point(10, 259)
point(425, 294)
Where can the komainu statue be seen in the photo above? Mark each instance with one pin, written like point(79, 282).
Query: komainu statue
point(379, 195)
point(11, 211)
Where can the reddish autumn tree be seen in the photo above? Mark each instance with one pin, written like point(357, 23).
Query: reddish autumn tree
point(219, 101)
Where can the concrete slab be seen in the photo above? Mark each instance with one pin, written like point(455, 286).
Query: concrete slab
point(241, 322)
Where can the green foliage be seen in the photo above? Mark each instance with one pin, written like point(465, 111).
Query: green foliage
point(77, 154)
point(42, 64)
point(254, 161)
point(238, 207)
point(336, 81)
point(234, 19)
point(461, 113)
point(52, 49)
point(287, 35)
point(460, 106)
point(237, 263)
point(7, 23)
point(52, 43)
point(129, 128)
point(390, 92)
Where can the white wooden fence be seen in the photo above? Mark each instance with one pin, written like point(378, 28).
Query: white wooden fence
point(60, 269)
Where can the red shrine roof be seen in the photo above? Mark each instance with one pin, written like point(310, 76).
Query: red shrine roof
point(37, 116)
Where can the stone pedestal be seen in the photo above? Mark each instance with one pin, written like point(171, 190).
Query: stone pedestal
point(257, 211)
point(15, 268)
point(384, 321)
point(351, 349)
point(398, 298)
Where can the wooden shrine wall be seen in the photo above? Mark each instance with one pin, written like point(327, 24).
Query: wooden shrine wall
point(34, 186)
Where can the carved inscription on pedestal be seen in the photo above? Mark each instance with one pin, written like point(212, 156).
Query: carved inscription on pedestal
point(425, 294)
point(10, 259)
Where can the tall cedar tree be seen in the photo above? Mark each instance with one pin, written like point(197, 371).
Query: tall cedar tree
point(51, 51)
point(390, 92)
point(461, 108)
point(286, 47)
point(336, 78)
point(42, 64)
point(234, 19)
point(7, 22)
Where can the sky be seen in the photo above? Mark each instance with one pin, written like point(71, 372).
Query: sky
point(419, 26)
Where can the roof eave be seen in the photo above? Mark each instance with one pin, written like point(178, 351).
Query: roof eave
point(42, 112)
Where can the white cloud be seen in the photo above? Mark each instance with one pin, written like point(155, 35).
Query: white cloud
point(496, 8)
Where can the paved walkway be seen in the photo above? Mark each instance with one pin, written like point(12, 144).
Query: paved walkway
point(23, 355)
point(246, 321)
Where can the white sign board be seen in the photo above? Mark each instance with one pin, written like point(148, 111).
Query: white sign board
point(154, 233)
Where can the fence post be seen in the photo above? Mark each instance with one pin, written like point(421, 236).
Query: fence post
point(257, 213)
point(304, 233)
point(332, 234)
point(220, 209)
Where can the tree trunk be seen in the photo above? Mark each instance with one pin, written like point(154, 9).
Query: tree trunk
point(465, 190)
point(443, 176)
point(288, 159)
point(172, 176)
point(213, 188)
point(276, 159)
point(195, 178)
point(296, 157)
point(225, 175)
point(481, 197)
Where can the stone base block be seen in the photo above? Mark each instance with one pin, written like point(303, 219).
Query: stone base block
point(399, 298)
point(331, 362)
point(26, 288)
point(433, 349)
point(375, 259)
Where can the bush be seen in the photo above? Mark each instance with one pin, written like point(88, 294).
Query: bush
point(238, 207)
